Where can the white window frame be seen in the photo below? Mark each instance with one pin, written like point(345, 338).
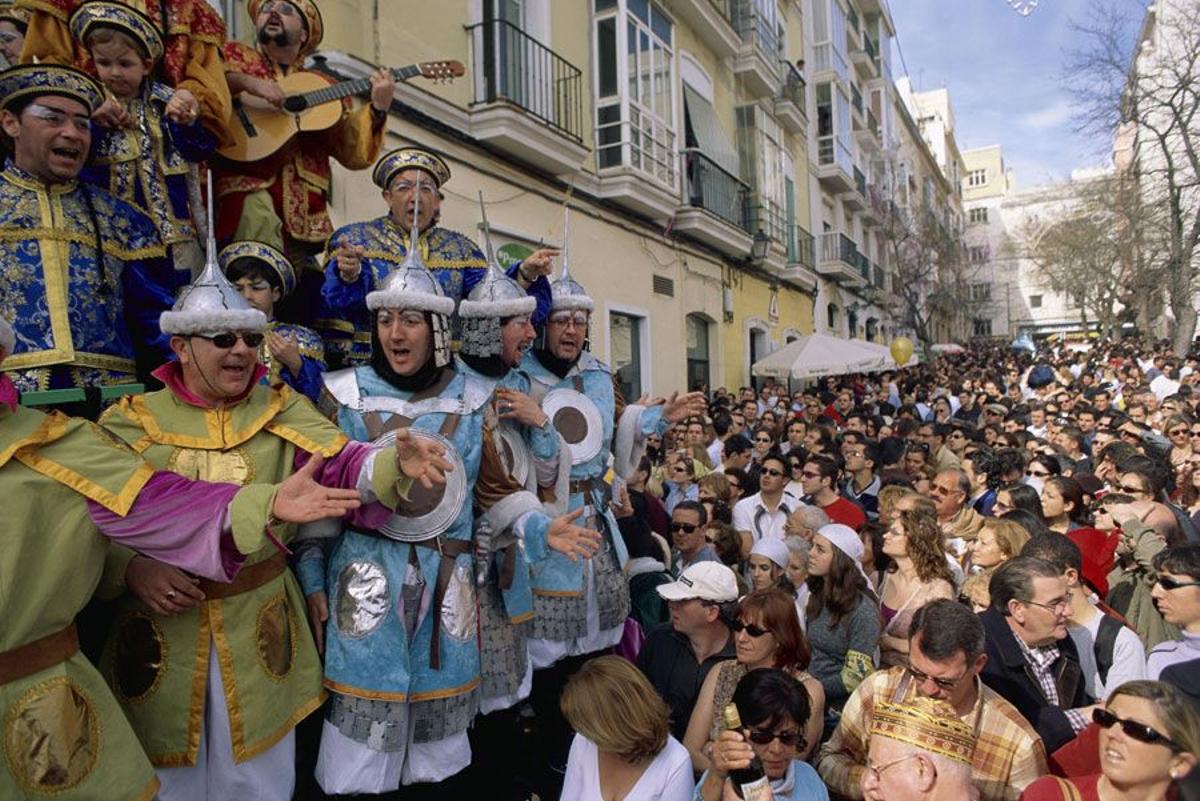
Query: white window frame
point(664, 154)
point(642, 316)
point(977, 178)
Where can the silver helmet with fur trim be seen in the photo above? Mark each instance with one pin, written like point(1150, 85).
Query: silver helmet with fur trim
point(495, 298)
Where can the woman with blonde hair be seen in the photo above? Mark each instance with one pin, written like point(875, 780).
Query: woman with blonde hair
point(1149, 740)
point(623, 748)
point(919, 573)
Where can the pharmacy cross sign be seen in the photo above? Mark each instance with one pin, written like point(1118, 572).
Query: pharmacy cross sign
point(1023, 7)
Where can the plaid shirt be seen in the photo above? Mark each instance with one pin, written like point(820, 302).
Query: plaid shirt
point(1009, 755)
point(1040, 658)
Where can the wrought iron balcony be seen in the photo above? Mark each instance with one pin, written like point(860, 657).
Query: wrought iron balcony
point(712, 188)
point(513, 67)
point(756, 62)
point(840, 259)
point(800, 248)
point(791, 102)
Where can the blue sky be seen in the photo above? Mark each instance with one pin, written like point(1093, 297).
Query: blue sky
point(1004, 73)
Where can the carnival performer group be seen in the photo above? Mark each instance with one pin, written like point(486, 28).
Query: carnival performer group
point(436, 507)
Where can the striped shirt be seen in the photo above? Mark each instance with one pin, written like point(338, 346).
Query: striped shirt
point(1009, 755)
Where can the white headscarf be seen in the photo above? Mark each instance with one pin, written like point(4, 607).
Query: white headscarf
point(846, 540)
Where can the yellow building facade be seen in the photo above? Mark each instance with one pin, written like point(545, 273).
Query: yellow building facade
point(671, 159)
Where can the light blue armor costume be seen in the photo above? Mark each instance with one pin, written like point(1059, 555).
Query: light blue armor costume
point(533, 457)
point(580, 607)
point(402, 642)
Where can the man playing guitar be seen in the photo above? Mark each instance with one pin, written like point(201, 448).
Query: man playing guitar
point(281, 200)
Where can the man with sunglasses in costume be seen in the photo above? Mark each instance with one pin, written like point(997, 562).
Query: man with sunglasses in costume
point(395, 603)
point(946, 655)
point(215, 677)
point(580, 608)
point(361, 255)
point(1176, 593)
point(70, 488)
point(85, 275)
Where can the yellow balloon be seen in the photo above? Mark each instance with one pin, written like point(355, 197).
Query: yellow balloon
point(902, 350)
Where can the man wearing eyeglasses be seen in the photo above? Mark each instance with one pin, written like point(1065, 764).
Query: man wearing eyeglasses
point(1031, 661)
point(360, 255)
point(764, 514)
point(946, 654)
point(689, 546)
point(919, 752)
point(1176, 593)
point(84, 275)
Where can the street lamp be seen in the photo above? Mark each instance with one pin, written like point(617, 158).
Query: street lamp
point(758, 250)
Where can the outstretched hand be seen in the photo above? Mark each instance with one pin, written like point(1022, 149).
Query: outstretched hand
point(421, 459)
point(679, 407)
point(572, 540)
point(300, 499)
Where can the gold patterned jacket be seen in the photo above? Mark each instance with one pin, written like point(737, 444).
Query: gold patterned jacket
point(158, 666)
point(72, 310)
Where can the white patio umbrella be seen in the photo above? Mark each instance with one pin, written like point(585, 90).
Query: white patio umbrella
point(818, 355)
point(948, 347)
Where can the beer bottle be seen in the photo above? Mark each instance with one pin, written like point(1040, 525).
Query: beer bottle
point(751, 782)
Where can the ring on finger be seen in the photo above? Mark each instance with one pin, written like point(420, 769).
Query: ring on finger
point(171, 595)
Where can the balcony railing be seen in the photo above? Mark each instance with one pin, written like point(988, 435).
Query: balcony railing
point(794, 87)
point(511, 66)
point(864, 267)
point(860, 182)
point(711, 187)
point(831, 150)
point(871, 48)
point(878, 276)
point(724, 8)
point(755, 28)
point(767, 216)
point(873, 123)
point(839, 247)
point(800, 247)
point(856, 98)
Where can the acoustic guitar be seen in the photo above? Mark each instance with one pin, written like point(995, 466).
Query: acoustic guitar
point(260, 129)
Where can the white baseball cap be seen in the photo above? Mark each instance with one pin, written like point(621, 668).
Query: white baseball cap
point(708, 581)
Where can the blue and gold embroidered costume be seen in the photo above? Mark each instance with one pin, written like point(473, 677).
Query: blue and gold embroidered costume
point(312, 360)
point(79, 320)
point(147, 165)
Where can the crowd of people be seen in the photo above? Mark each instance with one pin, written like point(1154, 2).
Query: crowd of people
point(383, 526)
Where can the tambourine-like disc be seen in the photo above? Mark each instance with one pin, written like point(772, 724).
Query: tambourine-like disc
point(515, 453)
point(576, 417)
point(426, 513)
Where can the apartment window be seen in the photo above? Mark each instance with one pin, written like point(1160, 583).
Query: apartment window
point(697, 351)
point(1035, 301)
point(635, 85)
point(978, 216)
point(982, 327)
point(981, 293)
point(765, 168)
point(831, 316)
point(977, 254)
point(977, 178)
point(625, 351)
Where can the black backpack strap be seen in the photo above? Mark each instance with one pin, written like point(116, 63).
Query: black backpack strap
point(1106, 640)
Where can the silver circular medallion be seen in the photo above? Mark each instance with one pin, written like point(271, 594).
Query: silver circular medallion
point(577, 419)
point(426, 513)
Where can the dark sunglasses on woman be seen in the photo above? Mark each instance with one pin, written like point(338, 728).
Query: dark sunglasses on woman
point(1137, 731)
point(749, 628)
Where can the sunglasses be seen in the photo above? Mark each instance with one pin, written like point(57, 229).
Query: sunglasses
point(227, 341)
point(751, 629)
point(1131, 489)
point(787, 738)
point(809, 474)
point(921, 677)
point(1138, 731)
point(1037, 473)
point(762, 439)
point(1168, 583)
point(687, 528)
point(771, 471)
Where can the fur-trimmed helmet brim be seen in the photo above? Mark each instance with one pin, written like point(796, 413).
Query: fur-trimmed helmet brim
point(572, 303)
point(417, 301)
point(188, 323)
point(475, 309)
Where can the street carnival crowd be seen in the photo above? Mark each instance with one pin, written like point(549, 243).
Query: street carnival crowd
point(381, 525)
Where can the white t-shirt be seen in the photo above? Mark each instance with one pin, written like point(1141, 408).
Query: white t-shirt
point(668, 777)
point(1129, 658)
point(769, 524)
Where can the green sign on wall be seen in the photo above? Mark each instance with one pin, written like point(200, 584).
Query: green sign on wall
point(510, 254)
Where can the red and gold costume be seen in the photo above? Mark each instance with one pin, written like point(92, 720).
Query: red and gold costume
point(191, 61)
